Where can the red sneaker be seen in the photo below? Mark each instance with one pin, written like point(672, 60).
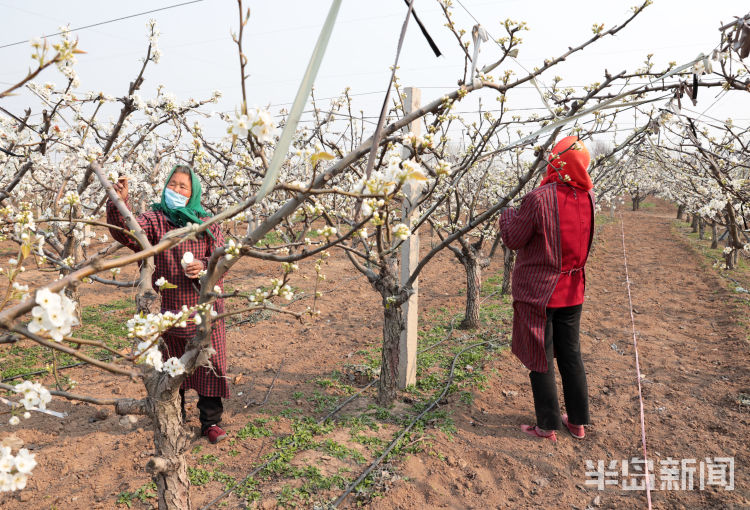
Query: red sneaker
point(576, 431)
point(535, 431)
point(215, 434)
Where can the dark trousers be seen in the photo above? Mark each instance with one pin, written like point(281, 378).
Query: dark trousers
point(561, 338)
point(209, 410)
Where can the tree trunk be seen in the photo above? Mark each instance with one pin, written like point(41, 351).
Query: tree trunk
point(701, 228)
point(680, 210)
point(733, 237)
point(729, 259)
point(473, 287)
point(509, 261)
point(495, 244)
point(714, 235)
point(72, 293)
point(168, 465)
point(393, 324)
point(636, 202)
point(694, 223)
point(387, 285)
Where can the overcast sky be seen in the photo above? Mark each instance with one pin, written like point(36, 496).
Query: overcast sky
point(199, 55)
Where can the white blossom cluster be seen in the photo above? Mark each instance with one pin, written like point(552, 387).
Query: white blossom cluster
point(416, 141)
point(277, 288)
point(401, 231)
point(327, 231)
point(34, 395)
point(442, 167)
point(232, 249)
point(149, 327)
point(67, 48)
point(71, 198)
point(15, 469)
point(54, 315)
point(148, 353)
point(258, 122)
point(153, 39)
point(397, 171)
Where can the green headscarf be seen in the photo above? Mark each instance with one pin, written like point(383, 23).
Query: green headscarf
point(192, 211)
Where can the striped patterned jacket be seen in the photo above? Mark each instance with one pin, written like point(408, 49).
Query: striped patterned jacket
point(207, 381)
point(534, 230)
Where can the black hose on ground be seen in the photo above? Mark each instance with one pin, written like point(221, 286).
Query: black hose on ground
point(393, 444)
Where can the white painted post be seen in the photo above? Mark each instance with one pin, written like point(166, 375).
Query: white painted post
point(407, 359)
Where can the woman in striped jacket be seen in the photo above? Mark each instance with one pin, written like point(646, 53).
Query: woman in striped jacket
point(181, 203)
point(552, 231)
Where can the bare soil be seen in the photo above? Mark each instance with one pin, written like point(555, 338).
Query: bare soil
point(694, 354)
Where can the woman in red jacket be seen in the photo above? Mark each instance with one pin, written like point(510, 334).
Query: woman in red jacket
point(552, 231)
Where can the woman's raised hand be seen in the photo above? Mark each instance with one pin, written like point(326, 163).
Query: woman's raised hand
point(121, 188)
point(193, 269)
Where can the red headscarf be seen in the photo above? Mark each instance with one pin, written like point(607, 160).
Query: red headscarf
point(568, 163)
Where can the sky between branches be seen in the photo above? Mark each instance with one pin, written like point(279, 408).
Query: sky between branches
point(199, 55)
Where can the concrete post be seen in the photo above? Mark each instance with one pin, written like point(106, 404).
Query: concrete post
point(407, 360)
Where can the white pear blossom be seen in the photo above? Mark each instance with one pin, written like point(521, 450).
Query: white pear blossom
point(328, 231)
point(174, 367)
point(240, 126)
point(71, 198)
point(15, 470)
point(289, 267)
point(20, 287)
point(232, 249)
point(54, 315)
point(442, 167)
point(262, 126)
point(25, 462)
point(286, 292)
point(7, 461)
point(401, 231)
point(148, 353)
point(34, 395)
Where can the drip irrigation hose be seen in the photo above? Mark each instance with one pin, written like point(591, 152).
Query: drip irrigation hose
point(393, 444)
point(341, 406)
point(276, 455)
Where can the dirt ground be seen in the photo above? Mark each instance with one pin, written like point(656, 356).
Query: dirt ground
point(694, 358)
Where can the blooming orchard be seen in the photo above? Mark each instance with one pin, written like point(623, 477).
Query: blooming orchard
point(340, 187)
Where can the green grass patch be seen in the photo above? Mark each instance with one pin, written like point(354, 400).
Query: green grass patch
point(254, 429)
point(142, 494)
point(270, 239)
